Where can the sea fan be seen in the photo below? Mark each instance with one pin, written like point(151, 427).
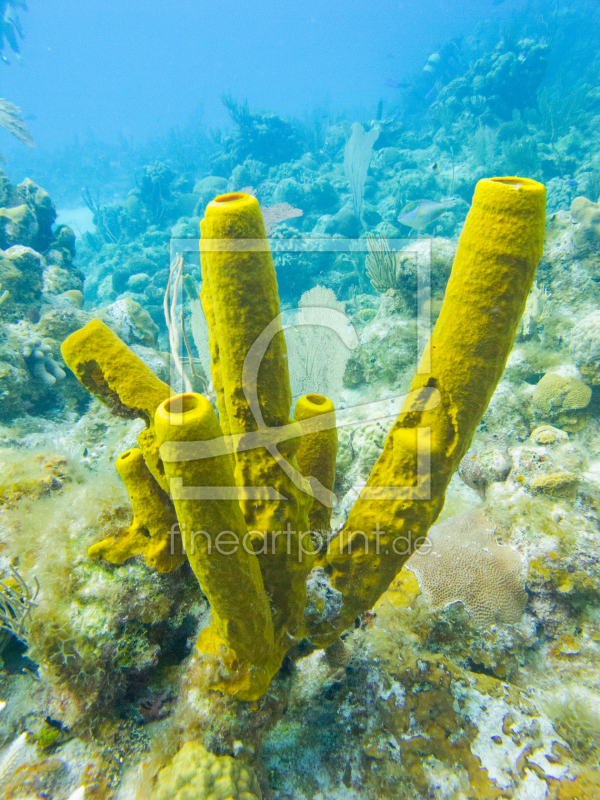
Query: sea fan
point(10, 118)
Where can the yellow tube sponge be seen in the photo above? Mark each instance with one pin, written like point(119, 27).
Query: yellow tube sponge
point(242, 286)
point(239, 641)
point(149, 535)
point(118, 378)
point(493, 271)
point(215, 358)
point(317, 453)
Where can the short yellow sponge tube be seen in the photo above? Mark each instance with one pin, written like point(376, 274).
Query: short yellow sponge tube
point(112, 372)
point(239, 642)
point(499, 249)
point(317, 454)
point(118, 378)
point(154, 520)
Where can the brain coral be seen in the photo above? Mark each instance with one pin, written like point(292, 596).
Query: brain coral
point(196, 774)
point(464, 563)
point(585, 347)
point(556, 393)
point(587, 214)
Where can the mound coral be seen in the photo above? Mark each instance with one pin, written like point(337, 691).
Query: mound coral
point(196, 773)
point(239, 475)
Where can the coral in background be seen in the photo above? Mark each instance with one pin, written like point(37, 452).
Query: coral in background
point(555, 394)
point(586, 215)
point(265, 137)
point(462, 562)
point(585, 347)
point(357, 157)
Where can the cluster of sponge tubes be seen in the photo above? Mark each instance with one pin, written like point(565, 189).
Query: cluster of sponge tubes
point(263, 480)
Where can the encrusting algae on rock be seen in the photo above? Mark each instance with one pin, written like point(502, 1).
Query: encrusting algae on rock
point(243, 473)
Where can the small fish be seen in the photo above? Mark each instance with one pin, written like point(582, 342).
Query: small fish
point(397, 84)
point(572, 182)
point(421, 213)
point(436, 168)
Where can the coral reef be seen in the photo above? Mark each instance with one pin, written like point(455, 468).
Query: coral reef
point(40, 287)
point(504, 80)
point(476, 678)
point(266, 138)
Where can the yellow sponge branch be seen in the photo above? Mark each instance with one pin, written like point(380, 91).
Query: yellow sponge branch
point(113, 373)
point(150, 533)
point(118, 378)
point(316, 456)
point(493, 271)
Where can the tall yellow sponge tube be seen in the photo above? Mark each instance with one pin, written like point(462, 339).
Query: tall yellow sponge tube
point(251, 378)
point(239, 642)
point(499, 249)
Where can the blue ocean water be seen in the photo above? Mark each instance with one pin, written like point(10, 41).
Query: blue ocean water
point(258, 538)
